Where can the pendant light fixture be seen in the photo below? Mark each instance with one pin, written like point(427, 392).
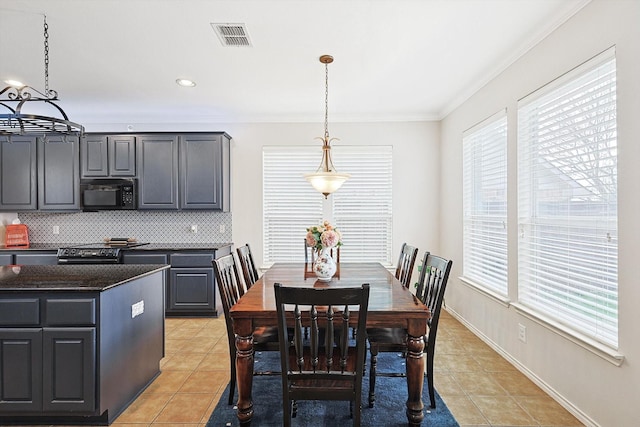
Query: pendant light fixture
point(16, 97)
point(326, 179)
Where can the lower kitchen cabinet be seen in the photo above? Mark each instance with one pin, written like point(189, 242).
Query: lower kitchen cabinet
point(6, 259)
point(191, 290)
point(47, 369)
point(78, 357)
point(35, 257)
point(191, 285)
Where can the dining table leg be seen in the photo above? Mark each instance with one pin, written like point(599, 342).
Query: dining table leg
point(244, 370)
point(415, 373)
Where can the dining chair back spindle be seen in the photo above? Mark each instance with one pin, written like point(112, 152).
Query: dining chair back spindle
point(231, 289)
point(249, 270)
point(406, 261)
point(328, 365)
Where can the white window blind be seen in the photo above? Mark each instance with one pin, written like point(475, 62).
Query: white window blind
point(567, 200)
point(360, 209)
point(485, 204)
point(290, 204)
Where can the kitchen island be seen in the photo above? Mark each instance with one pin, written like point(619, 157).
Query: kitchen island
point(78, 343)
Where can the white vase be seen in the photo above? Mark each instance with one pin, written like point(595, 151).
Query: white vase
point(324, 266)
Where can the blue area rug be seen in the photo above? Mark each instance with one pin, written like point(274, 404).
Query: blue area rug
point(389, 409)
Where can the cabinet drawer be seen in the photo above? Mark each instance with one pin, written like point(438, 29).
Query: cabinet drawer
point(191, 260)
point(20, 312)
point(130, 258)
point(62, 312)
point(6, 259)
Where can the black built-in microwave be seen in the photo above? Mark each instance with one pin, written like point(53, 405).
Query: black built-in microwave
point(109, 194)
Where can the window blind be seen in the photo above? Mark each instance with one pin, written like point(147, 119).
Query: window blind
point(289, 203)
point(567, 200)
point(485, 204)
point(361, 209)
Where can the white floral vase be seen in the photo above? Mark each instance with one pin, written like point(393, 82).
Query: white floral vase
point(324, 266)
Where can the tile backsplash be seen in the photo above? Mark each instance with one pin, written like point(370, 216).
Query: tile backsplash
point(146, 226)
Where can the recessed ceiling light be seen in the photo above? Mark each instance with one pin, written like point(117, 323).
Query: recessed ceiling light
point(186, 82)
point(14, 83)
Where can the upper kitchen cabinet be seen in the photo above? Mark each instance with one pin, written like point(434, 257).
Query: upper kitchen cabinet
point(58, 173)
point(18, 174)
point(204, 172)
point(158, 172)
point(184, 171)
point(39, 173)
point(105, 156)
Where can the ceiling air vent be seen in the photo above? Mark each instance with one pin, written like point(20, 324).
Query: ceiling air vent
point(235, 35)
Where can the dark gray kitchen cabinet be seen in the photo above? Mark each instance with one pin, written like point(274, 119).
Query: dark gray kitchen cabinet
point(42, 368)
point(108, 156)
point(35, 257)
point(190, 284)
point(6, 259)
point(58, 173)
point(69, 369)
point(204, 172)
point(157, 157)
point(18, 173)
point(184, 171)
point(20, 369)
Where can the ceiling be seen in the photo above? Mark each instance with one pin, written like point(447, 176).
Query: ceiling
point(117, 61)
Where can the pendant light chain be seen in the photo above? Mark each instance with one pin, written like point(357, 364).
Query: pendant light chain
point(326, 100)
point(46, 57)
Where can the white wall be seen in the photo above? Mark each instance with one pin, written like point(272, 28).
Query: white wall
point(599, 392)
point(415, 174)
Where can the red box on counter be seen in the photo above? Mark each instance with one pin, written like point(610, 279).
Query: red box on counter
point(16, 236)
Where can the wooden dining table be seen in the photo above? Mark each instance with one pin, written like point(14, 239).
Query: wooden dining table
point(390, 305)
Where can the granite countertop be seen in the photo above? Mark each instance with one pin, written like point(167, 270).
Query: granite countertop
point(148, 247)
point(83, 278)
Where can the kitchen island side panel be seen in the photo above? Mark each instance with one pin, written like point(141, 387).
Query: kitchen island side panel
point(131, 341)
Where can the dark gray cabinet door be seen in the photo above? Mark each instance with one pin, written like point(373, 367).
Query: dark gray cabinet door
point(191, 289)
point(18, 190)
point(94, 156)
point(157, 157)
point(108, 156)
point(202, 172)
point(20, 369)
point(69, 360)
point(58, 173)
point(122, 155)
point(36, 257)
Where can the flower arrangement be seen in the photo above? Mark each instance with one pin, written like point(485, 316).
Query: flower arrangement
point(323, 236)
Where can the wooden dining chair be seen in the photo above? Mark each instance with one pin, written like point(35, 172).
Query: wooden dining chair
point(432, 283)
point(404, 268)
point(327, 366)
point(231, 289)
point(249, 270)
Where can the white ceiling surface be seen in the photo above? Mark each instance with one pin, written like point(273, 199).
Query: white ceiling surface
point(116, 61)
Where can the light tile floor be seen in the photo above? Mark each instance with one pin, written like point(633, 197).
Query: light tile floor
point(478, 386)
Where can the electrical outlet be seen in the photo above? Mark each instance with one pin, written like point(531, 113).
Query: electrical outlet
point(194, 228)
point(222, 228)
point(56, 229)
point(522, 332)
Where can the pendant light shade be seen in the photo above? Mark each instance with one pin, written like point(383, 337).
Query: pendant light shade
point(326, 179)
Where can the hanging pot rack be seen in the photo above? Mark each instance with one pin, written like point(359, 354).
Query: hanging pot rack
point(14, 98)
